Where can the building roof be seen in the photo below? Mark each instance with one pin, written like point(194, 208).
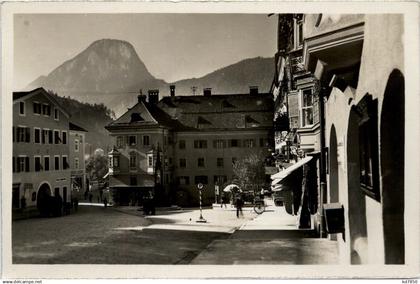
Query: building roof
point(186, 113)
point(25, 95)
point(75, 127)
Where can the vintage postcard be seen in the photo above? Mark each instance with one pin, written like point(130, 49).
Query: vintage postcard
point(210, 140)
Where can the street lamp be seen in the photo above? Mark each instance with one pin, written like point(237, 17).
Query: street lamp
point(201, 219)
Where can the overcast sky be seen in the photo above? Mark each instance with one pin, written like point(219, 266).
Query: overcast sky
point(172, 46)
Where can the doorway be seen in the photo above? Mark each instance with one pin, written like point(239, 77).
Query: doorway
point(392, 168)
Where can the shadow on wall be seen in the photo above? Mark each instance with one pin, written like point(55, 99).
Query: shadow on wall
point(392, 168)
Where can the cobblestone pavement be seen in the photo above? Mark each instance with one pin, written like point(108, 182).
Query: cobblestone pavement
point(100, 235)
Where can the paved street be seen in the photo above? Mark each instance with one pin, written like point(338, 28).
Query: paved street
point(123, 236)
point(120, 236)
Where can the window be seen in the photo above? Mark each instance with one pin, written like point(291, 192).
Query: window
point(249, 143)
point(368, 147)
point(182, 163)
point(23, 134)
point(14, 165)
point(14, 133)
point(132, 141)
point(183, 180)
point(46, 109)
point(181, 144)
point(201, 179)
point(146, 140)
point(44, 136)
point(37, 135)
point(263, 142)
point(298, 33)
point(50, 136)
point(235, 143)
point(76, 145)
point(57, 138)
point(56, 114)
point(56, 163)
point(120, 141)
point(133, 161)
point(37, 108)
point(22, 164)
point(65, 163)
point(219, 180)
point(150, 161)
point(220, 162)
point(116, 161)
point(56, 191)
point(200, 144)
point(200, 162)
point(307, 107)
point(38, 165)
point(219, 144)
point(46, 163)
point(33, 196)
point(22, 108)
point(64, 137)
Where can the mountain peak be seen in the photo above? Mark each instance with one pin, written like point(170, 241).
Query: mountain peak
point(106, 65)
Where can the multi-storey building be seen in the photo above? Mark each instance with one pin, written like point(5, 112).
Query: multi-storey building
point(357, 65)
point(41, 152)
point(362, 85)
point(77, 159)
point(180, 141)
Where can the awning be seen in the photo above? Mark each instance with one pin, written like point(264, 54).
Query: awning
point(284, 173)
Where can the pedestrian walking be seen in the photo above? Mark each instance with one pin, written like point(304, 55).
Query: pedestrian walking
point(239, 203)
point(224, 200)
point(90, 197)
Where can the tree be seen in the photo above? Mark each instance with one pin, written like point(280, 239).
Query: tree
point(250, 172)
point(97, 166)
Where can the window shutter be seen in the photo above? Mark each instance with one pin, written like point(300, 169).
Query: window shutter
point(26, 164)
point(28, 134)
point(215, 143)
point(315, 110)
point(293, 105)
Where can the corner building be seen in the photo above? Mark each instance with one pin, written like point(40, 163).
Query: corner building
point(40, 150)
point(171, 145)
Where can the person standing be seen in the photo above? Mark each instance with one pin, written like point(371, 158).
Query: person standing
point(224, 200)
point(239, 204)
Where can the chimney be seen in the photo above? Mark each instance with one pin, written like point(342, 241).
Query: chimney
point(141, 97)
point(172, 88)
point(207, 92)
point(153, 96)
point(253, 90)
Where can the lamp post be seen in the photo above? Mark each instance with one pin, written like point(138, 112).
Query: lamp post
point(201, 219)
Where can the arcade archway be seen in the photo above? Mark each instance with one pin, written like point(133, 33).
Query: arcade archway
point(392, 168)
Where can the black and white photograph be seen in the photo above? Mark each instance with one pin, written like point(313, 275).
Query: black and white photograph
point(230, 139)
